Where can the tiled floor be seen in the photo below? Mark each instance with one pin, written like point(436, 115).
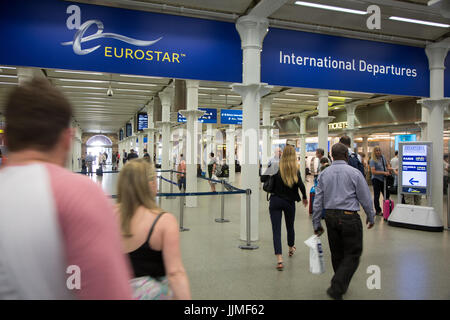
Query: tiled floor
point(414, 264)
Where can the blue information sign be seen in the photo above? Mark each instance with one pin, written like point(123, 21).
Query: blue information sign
point(142, 121)
point(230, 116)
point(210, 116)
point(310, 60)
point(414, 167)
point(77, 36)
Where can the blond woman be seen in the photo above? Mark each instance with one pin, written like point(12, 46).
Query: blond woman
point(150, 236)
point(287, 182)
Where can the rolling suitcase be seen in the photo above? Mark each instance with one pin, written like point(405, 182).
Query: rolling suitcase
point(312, 194)
point(388, 205)
point(99, 171)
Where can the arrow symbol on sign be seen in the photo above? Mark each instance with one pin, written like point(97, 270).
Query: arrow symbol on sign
point(412, 181)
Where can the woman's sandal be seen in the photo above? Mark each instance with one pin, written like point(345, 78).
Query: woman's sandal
point(292, 251)
point(280, 266)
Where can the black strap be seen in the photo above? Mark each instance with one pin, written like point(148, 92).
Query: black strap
point(153, 226)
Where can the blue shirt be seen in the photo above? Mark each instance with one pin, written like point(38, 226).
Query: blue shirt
point(341, 187)
point(378, 165)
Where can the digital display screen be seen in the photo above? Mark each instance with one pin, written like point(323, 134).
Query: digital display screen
point(121, 135)
point(404, 138)
point(414, 166)
point(142, 121)
point(311, 147)
point(230, 116)
point(129, 130)
point(210, 116)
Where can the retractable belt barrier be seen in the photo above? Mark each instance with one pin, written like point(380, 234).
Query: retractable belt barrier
point(182, 195)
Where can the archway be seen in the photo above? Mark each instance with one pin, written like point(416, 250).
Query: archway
point(97, 146)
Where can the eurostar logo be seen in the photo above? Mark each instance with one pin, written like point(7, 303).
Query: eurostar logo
point(73, 22)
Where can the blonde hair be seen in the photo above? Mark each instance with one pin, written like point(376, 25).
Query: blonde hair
point(374, 157)
point(288, 166)
point(133, 191)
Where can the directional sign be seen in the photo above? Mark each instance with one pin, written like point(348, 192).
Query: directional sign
point(230, 116)
point(414, 167)
point(210, 116)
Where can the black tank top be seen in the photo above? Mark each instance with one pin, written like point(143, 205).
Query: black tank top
point(146, 261)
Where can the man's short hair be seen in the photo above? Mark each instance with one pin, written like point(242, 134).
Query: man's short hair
point(345, 140)
point(396, 152)
point(339, 151)
point(36, 114)
point(320, 151)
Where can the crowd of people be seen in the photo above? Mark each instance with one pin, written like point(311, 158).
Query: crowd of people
point(132, 250)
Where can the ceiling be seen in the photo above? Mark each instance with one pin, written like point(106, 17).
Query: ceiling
point(95, 111)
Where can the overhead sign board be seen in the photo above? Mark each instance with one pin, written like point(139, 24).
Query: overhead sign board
point(129, 131)
point(414, 167)
point(210, 116)
point(78, 36)
point(230, 116)
point(310, 60)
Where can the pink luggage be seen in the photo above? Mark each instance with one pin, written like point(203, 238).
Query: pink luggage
point(388, 205)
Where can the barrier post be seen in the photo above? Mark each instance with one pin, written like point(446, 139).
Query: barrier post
point(182, 228)
point(248, 246)
point(171, 185)
point(222, 205)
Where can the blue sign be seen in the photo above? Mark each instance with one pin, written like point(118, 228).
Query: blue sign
point(404, 138)
point(447, 77)
point(414, 167)
point(78, 36)
point(310, 60)
point(142, 121)
point(311, 147)
point(210, 116)
point(230, 116)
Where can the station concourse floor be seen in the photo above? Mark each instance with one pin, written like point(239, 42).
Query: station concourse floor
point(414, 264)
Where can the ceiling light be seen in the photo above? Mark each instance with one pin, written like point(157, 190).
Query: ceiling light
point(312, 101)
point(428, 23)
point(323, 6)
point(142, 77)
point(299, 94)
point(81, 80)
point(5, 67)
point(7, 76)
point(80, 72)
point(203, 88)
point(282, 99)
point(8, 83)
point(75, 87)
point(134, 90)
point(138, 84)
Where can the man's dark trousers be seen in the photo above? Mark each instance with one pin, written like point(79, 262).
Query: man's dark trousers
point(345, 240)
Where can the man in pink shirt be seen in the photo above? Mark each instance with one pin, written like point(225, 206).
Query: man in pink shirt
point(59, 238)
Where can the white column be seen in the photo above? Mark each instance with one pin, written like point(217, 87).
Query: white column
point(166, 100)
point(323, 120)
point(231, 141)
point(150, 131)
point(192, 139)
point(436, 105)
point(302, 135)
point(266, 104)
point(252, 31)
point(209, 140)
point(351, 122)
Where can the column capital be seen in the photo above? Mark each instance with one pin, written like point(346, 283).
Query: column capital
point(189, 113)
point(167, 96)
point(244, 89)
point(252, 31)
point(433, 103)
point(422, 124)
point(266, 103)
point(192, 84)
point(323, 118)
point(351, 107)
point(436, 53)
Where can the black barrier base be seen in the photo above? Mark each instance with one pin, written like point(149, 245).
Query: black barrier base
point(222, 220)
point(183, 229)
point(248, 247)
